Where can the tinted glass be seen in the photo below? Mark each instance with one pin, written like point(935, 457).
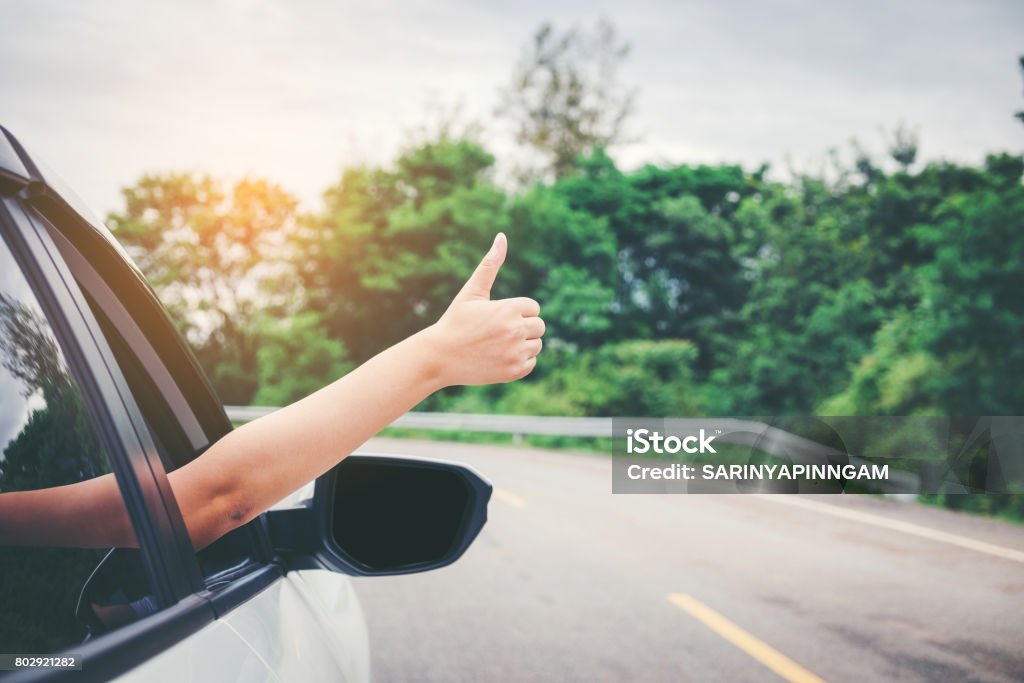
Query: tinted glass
point(390, 516)
point(46, 440)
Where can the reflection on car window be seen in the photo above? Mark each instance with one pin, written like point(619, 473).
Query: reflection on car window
point(46, 439)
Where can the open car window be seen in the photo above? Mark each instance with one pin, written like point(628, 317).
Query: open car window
point(173, 401)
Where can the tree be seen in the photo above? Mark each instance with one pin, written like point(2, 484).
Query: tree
point(27, 350)
point(563, 257)
point(954, 349)
point(564, 98)
point(677, 271)
point(210, 255)
point(903, 145)
point(395, 244)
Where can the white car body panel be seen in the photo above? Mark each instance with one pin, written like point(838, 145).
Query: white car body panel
point(215, 653)
point(306, 626)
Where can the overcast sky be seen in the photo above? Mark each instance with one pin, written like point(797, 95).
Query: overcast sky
point(293, 90)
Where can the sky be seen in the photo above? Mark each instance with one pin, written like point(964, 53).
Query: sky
point(294, 90)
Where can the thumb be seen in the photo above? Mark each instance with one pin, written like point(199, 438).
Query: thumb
point(480, 282)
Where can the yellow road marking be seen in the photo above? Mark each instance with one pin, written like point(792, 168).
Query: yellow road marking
point(767, 655)
point(903, 527)
point(509, 497)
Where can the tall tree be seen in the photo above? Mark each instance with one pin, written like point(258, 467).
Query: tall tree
point(209, 253)
point(565, 99)
point(903, 145)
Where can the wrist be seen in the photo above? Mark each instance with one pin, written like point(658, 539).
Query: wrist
point(431, 359)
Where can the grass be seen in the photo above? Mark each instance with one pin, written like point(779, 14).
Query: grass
point(1004, 506)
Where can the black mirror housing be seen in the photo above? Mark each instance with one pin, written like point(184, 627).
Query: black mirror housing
point(380, 515)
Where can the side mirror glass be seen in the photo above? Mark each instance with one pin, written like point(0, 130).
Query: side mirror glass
point(380, 515)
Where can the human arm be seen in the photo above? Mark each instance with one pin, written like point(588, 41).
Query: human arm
point(476, 341)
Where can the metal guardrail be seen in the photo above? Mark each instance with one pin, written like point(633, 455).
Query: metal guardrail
point(473, 422)
point(535, 424)
point(748, 432)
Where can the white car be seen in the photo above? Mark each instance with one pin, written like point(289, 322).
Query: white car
point(95, 379)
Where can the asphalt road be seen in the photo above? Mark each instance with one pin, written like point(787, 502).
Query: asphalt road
point(570, 583)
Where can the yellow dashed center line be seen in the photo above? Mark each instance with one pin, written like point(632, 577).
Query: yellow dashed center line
point(509, 497)
point(762, 652)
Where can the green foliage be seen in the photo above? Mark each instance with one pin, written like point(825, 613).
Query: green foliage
point(634, 378)
point(394, 245)
point(211, 254)
point(296, 358)
point(562, 258)
point(956, 349)
point(1008, 506)
point(638, 378)
point(680, 249)
point(881, 288)
point(873, 292)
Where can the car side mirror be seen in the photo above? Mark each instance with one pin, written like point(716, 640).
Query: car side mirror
point(375, 515)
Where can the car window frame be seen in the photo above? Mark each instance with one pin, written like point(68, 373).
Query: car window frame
point(188, 399)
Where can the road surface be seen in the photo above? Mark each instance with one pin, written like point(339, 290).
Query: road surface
point(568, 582)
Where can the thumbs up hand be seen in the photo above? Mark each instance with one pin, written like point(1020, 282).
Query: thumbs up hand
point(480, 341)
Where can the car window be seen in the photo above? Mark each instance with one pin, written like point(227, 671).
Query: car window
point(160, 378)
point(235, 551)
point(47, 440)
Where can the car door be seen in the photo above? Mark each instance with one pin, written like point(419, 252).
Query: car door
point(267, 626)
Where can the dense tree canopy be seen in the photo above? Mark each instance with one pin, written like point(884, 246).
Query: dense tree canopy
point(870, 291)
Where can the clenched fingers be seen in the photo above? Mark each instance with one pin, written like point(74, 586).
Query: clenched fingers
point(534, 328)
point(526, 306)
point(533, 347)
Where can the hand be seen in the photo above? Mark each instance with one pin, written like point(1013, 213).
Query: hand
point(479, 341)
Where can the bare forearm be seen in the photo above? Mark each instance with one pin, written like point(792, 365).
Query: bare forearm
point(262, 462)
point(245, 472)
